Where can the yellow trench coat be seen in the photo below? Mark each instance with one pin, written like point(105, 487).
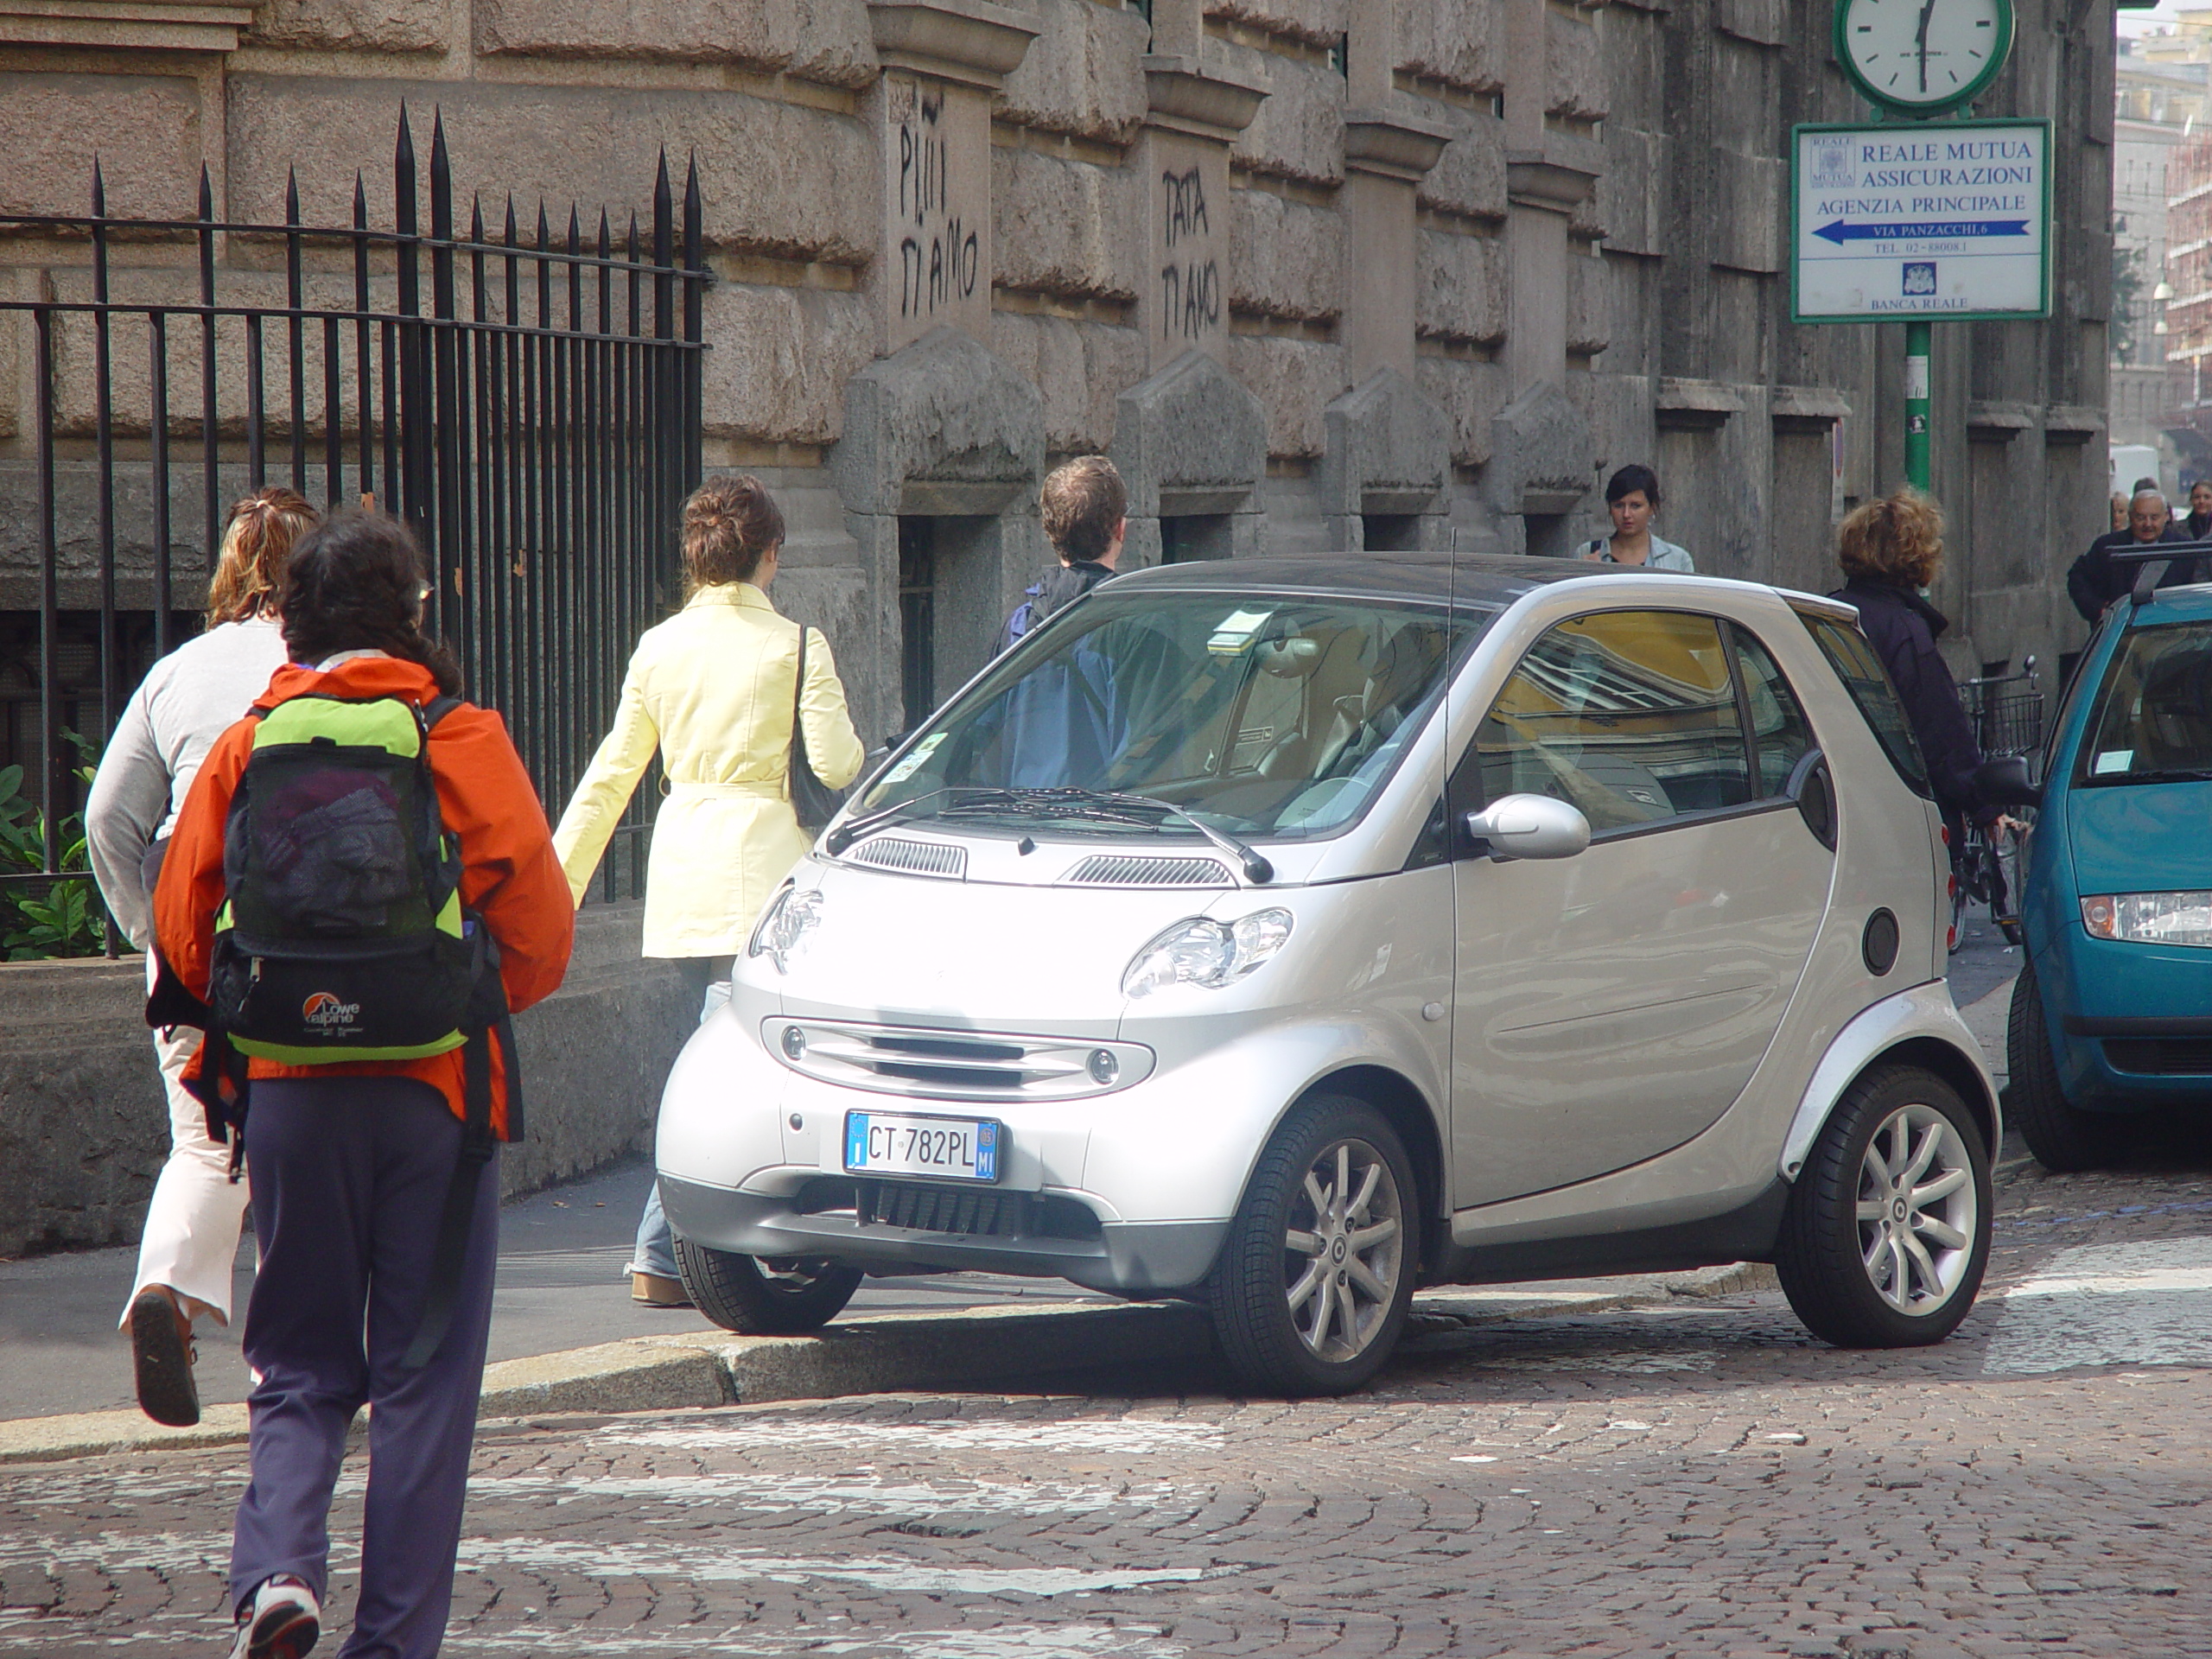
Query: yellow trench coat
point(711, 687)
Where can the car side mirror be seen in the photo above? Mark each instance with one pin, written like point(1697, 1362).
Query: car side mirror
point(1813, 791)
point(1531, 826)
point(2005, 782)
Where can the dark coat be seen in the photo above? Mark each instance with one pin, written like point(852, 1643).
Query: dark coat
point(2093, 581)
point(1903, 628)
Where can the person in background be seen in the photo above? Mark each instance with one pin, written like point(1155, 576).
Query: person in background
point(187, 700)
point(2093, 581)
point(1889, 550)
point(2198, 524)
point(2120, 510)
point(1632, 498)
point(1083, 507)
point(1064, 722)
point(353, 1162)
point(712, 688)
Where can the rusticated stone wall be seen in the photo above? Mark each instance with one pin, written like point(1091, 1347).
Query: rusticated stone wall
point(1453, 260)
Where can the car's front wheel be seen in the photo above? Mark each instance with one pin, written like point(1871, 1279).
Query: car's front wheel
point(1887, 1230)
point(2063, 1136)
point(773, 1296)
point(1311, 1287)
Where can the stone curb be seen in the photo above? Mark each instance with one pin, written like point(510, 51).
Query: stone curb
point(872, 1354)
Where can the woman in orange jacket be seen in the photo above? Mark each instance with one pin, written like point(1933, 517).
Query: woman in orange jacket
point(351, 1163)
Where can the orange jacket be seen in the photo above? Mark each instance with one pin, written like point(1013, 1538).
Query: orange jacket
point(509, 875)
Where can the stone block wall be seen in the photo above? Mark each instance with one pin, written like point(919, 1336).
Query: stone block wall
point(84, 1123)
point(1662, 277)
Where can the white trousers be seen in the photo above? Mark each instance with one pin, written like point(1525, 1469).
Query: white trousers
point(192, 1226)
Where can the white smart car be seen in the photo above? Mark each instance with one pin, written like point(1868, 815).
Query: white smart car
point(1288, 934)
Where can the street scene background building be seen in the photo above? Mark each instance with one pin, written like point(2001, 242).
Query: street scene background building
point(1319, 275)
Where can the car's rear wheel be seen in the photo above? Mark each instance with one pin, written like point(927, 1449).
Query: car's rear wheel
point(771, 1296)
point(2062, 1136)
point(1311, 1287)
point(1887, 1230)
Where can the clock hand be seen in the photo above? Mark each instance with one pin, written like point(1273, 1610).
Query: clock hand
point(1927, 11)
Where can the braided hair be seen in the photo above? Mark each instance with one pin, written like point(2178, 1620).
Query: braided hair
point(355, 583)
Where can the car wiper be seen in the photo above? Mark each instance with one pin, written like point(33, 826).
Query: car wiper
point(853, 828)
point(1256, 868)
point(1063, 802)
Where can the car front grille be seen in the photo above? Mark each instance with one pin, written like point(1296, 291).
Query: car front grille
point(958, 1211)
point(1115, 870)
point(913, 857)
point(2160, 1057)
point(937, 1065)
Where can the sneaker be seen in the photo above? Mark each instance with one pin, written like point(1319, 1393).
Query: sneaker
point(657, 1290)
point(283, 1621)
point(161, 1353)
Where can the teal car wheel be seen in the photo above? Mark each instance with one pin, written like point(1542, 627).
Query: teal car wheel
point(2063, 1136)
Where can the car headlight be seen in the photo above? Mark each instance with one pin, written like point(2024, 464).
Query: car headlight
point(1201, 951)
point(2148, 917)
point(791, 916)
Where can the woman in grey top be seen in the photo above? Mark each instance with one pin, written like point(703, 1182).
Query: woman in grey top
point(187, 700)
point(1632, 497)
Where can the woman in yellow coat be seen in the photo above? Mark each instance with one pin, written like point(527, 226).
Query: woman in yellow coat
point(712, 688)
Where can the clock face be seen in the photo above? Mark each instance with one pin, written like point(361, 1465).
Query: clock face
point(1922, 54)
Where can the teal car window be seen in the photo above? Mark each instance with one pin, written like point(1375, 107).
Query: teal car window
point(1868, 684)
point(2151, 722)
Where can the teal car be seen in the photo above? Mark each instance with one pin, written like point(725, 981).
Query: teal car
point(2111, 1014)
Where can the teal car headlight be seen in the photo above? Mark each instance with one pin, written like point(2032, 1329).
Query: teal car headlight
point(2148, 917)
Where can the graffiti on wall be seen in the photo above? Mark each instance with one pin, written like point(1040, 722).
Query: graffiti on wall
point(1190, 276)
point(940, 253)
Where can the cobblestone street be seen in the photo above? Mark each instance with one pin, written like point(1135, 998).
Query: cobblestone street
point(1702, 1479)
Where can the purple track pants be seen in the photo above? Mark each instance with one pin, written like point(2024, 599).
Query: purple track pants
point(349, 1179)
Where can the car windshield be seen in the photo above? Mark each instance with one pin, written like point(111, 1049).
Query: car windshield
point(2153, 719)
point(1257, 714)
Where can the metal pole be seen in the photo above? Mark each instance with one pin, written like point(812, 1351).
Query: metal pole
point(1916, 405)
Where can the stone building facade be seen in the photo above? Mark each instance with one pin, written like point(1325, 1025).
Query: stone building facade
point(1363, 275)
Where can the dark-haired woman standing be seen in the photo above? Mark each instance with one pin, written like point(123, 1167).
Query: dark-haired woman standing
point(712, 688)
point(187, 700)
point(1632, 500)
point(351, 1163)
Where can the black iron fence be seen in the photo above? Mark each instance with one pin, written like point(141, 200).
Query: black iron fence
point(529, 398)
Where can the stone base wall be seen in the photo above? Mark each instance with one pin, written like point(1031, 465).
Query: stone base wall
point(84, 1126)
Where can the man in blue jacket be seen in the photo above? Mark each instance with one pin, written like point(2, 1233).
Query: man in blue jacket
point(1063, 722)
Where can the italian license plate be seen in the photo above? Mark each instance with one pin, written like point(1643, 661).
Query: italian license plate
point(952, 1148)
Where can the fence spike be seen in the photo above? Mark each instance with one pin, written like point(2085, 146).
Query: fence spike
point(545, 226)
point(99, 189)
point(207, 193)
point(291, 196)
point(360, 201)
point(511, 218)
point(476, 217)
point(441, 180)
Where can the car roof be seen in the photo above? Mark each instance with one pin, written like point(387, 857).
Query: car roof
point(1469, 579)
point(2188, 603)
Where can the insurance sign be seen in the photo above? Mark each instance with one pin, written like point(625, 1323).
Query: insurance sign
point(1920, 219)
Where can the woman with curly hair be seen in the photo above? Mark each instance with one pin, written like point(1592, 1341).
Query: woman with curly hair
point(1891, 550)
point(186, 702)
point(716, 689)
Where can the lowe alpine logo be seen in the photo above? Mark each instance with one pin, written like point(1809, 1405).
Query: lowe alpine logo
point(325, 1012)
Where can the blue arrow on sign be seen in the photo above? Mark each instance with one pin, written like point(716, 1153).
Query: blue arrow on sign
point(1838, 232)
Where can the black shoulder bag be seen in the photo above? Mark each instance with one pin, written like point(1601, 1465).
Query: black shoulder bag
point(813, 801)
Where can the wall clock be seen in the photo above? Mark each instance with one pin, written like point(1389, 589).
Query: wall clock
point(1922, 56)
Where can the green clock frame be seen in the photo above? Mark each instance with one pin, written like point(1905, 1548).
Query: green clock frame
point(1966, 94)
